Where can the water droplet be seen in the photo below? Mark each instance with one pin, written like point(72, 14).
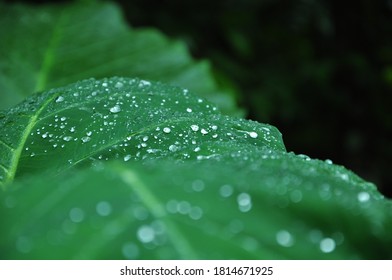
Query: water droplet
point(166, 130)
point(189, 110)
point(116, 109)
point(45, 135)
point(173, 148)
point(127, 157)
point(145, 234)
point(130, 251)
point(86, 139)
point(327, 245)
point(253, 134)
point(63, 119)
point(103, 208)
point(76, 215)
point(214, 127)
point(72, 129)
point(183, 207)
point(145, 138)
point(244, 202)
point(198, 185)
point(226, 190)
point(363, 196)
point(104, 84)
point(284, 238)
point(118, 85)
point(194, 127)
point(89, 133)
point(59, 99)
point(196, 213)
point(67, 138)
point(328, 161)
point(203, 131)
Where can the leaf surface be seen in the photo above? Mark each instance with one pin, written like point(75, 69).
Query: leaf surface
point(122, 118)
point(49, 46)
point(249, 205)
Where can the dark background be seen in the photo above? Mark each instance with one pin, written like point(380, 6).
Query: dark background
point(320, 71)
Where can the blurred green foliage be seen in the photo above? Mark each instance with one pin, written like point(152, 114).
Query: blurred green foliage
point(321, 71)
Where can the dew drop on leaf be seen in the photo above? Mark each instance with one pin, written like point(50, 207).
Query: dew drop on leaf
point(127, 157)
point(363, 196)
point(67, 138)
point(244, 202)
point(86, 139)
point(194, 127)
point(226, 190)
point(284, 238)
point(253, 134)
point(145, 234)
point(115, 109)
point(59, 99)
point(103, 208)
point(130, 251)
point(76, 215)
point(327, 245)
point(166, 130)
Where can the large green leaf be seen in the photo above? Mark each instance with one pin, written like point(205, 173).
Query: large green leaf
point(117, 118)
point(48, 46)
point(246, 205)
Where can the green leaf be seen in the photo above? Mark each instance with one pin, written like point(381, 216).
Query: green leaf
point(54, 45)
point(248, 205)
point(123, 118)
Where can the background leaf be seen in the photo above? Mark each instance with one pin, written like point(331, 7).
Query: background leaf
point(117, 118)
point(249, 205)
point(51, 46)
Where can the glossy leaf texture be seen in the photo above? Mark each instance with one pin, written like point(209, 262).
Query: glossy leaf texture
point(118, 118)
point(49, 46)
point(248, 204)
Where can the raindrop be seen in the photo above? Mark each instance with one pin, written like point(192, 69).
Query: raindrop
point(284, 238)
point(45, 135)
point(327, 245)
point(72, 129)
point(76, 215)
point(130, 251)
point(328, 161)
point(63, 119)
point(363, 196)
point(166, 130)
point(145, 138)
point(127, 157)
point(226, 190)
point(171, 206)
point(196, 213)
point(145, 234)
point(203, 131)
point(253, 134)
point(189, 110)
point(118, 85)
point(244, 202)
point(173, 148)
point(59, 99)
point(198, 185)
point(103, 208)
point(86, 139)
point(116, 109)
point(67, 138)
point(183, 207)
point(194, 127)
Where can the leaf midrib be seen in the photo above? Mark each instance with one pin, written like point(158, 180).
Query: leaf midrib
point(49, 58)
